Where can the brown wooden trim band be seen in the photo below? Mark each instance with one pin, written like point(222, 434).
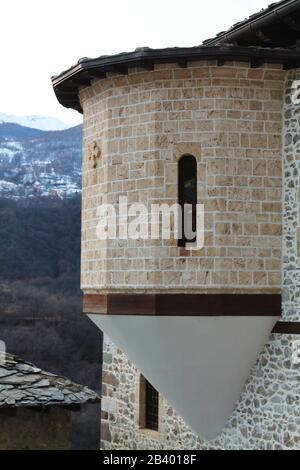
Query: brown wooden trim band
point(287, 328)
point(184, 304)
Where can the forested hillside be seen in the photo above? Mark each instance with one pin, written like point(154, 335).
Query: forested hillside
point(40, 255)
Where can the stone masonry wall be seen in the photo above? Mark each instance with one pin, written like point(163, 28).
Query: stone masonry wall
point(267, 415)
point(35, 429)
point(291, 213)
point(136, 127)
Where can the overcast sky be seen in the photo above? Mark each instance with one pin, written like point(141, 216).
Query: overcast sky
point(41, 38)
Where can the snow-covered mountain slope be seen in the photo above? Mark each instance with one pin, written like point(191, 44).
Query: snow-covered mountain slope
point(39, 163)
point(44, 123)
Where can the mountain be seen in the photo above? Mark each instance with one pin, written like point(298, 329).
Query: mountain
point(34, 162)
point(40, 185)
point(44, 123)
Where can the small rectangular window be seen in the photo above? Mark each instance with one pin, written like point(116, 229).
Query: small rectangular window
point(149, 406)
point(152, 399)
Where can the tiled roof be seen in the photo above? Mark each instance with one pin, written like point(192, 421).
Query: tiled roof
point(24, 385)
point(271, 12)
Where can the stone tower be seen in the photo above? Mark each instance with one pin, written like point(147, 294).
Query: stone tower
point(193, 318)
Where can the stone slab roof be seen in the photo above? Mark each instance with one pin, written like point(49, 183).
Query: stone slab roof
point(24, 385)
point(274, 26)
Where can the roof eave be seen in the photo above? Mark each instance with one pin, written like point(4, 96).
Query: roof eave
point(68, 84)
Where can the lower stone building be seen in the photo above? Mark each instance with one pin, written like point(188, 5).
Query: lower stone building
point(67, 345)
point(36, 407)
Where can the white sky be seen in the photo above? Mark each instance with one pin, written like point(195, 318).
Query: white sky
point(41, 38)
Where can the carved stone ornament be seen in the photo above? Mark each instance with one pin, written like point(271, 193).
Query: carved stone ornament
point(94, 154)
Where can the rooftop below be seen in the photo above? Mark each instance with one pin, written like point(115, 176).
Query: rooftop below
point(24, 385)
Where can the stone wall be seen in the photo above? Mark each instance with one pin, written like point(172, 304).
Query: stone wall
point(136, 128)
point(291, 220)
point(35, 429)
point(267, 415)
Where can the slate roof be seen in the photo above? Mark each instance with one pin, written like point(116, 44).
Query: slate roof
point(283, 14)
point(24, 385)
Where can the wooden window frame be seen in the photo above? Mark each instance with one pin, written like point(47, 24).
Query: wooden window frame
point(144, 424)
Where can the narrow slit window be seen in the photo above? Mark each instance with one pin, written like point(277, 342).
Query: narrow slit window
point(187, 195)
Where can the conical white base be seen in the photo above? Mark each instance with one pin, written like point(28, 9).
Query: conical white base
point(199, 364)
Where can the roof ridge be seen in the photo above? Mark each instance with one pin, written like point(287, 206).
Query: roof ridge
point(264, 12)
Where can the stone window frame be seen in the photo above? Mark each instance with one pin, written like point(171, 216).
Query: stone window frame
point(178, 150)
